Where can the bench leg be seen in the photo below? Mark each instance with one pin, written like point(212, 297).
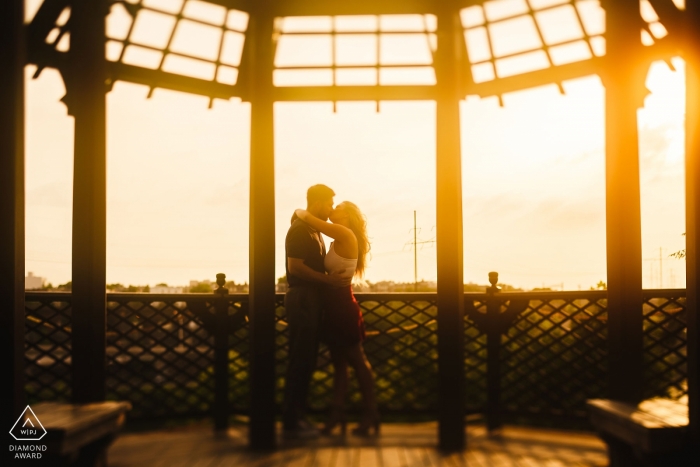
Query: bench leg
point(621, 454)
point(95, 453)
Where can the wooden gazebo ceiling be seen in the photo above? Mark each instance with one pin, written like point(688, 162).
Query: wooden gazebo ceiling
point(486, 73)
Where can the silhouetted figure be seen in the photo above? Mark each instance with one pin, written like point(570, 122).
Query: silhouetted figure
point(306, 276)
point(343, 328)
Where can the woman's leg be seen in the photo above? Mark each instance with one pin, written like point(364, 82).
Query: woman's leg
point(356, 357)
point(340, 389)
point(340, 378)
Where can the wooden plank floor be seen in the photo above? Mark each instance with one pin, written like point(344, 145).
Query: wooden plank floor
point(400, 445)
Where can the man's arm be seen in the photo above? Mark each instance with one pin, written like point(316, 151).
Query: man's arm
point(297, 267)
point(334, 231)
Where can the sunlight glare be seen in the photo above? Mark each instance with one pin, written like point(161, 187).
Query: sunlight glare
point(152, 29)
point(197, 40)
point(500, 9)
point(205, 11)
point(559, 24)
point(514, 35)
point(118, 22)
point(168, 6)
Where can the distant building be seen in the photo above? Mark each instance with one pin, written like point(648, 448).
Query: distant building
point(194, 283)
point(166, 289)
point(282, 286)
point(32, 282)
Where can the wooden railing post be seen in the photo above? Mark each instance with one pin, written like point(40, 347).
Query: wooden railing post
point(258, 60)
point(451, 379)
point(221, 376)
point(493, 354)
point(623, 78)
point(692, 216)
point(12, 60)
point(85, 79)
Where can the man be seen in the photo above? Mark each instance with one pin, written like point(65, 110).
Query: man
point(306, 276)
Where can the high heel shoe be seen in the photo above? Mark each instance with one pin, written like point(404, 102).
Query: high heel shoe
point(369, 421)
point(336, 418)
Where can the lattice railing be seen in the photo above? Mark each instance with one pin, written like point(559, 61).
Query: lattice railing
point(48, 346)
point(476, 356)
point(553, 352)
point(554, 355)
point(665, 370)
point(159, 356)
point(401, 346)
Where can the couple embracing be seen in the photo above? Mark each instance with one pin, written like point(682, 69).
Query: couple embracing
point(321, 307)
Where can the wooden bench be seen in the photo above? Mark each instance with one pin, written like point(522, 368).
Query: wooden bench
point(79, 434)
point(653, 433)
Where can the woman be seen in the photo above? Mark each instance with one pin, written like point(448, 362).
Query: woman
point(343, 328)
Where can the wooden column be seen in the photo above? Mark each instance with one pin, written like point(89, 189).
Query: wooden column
point(692, 216)
point(85, 84)
point(493, 355)
point(221, 374)
point(12, 60)
point(624, 87)
point(448, 60)
point(259, 57)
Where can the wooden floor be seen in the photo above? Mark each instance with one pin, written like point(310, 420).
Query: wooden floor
point(400, 445)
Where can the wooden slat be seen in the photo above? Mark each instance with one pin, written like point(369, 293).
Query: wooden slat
point(346, 457)
point(323, 458)
point(69, 419)
point(391, 457)
point(369, 457)
point(297, 457)
point(515, 447)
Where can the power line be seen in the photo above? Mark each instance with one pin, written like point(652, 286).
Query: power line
point(661, 268)
point(415, 244)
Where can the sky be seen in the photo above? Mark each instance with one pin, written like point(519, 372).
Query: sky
point(533, 182)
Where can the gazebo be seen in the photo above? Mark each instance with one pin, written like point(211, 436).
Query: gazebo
point(453, 71)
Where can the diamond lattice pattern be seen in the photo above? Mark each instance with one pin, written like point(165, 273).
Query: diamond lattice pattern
point(554, 357)
point(161, 358)
point(665, 357)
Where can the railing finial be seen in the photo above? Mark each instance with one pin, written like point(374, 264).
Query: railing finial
point(493, 279)
point(221, 281)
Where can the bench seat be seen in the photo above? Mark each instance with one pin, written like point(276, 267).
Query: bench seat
point(653, 432)
point(80, 433)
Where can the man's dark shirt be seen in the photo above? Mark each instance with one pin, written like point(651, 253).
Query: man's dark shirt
point(305, 243)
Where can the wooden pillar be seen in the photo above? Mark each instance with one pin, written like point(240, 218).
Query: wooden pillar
point(624, 86)
point(221, 406)
point(692, 219)
point(85, 84)
point(12, 60)
point(493, 355)
point(448, 60)
point(259, 61)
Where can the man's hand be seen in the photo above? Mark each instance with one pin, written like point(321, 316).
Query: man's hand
point(297, 267)
point(336, 280)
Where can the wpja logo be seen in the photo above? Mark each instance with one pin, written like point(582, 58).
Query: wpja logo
point(28, 428)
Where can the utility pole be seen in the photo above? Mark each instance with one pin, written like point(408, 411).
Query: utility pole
point(660, 259)
point(661, 268)
point(415, 254)
point(415, 244)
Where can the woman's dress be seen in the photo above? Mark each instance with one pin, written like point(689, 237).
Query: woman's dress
point(343, 325)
